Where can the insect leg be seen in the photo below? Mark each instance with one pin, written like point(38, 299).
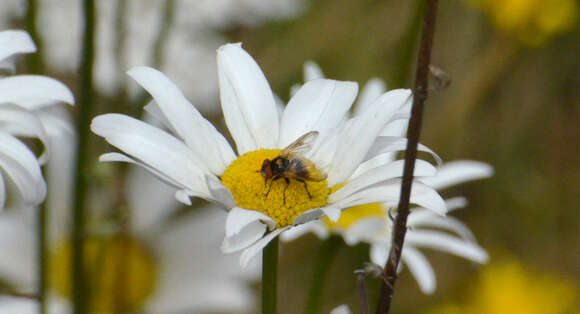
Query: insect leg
point(306, 188)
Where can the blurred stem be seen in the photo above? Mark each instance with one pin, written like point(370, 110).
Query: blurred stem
point(80, 280)
point(407, 46)
point(35, 63)
point(42, 233)
point(158, 49)
point(270, 277)
point(326, 254)
point(121, 34)
point(420, 92)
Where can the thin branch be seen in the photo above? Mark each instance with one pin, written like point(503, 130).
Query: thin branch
point(361, 289)
point(80, 282)
point(419, 96)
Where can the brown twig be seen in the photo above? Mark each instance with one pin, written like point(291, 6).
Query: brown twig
point(419, 96)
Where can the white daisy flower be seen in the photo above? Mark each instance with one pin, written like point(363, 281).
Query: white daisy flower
point(26, 110)
point(198, 160)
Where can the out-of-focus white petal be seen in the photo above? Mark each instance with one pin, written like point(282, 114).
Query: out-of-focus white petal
point(341, 309)
point(12, 305)
point(257, 247)
point(366, 229)
point(153, 147)
point(247, 100)
point(319, 105)
point(312, 71)
point(333, 213)
point(456, 203)
point(372, 90)
point(149, 199)
point(447, 243)
point(455, 172)
point(18, 244)
point(361, 134)
point(381, 174)
point(21, 166)
point(198, 133)
point(379, 254)
point(13, 42)
point(33, 91)
point(194, 274)
point(389, 192)
point(21, 122)
point(420, 268)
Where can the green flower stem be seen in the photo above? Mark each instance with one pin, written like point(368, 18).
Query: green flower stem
point(270, 277)
point(326, 254)
point(408, 45)
point(80, 282)
point(35, 64)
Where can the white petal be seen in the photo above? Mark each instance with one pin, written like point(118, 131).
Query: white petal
point(33, 91)
point(296, 232)
point(247, 100)
point(238, 218)
point(447, 243)
point(2, 193)
point(257, 247)
point(342, 309)
point(14, 305)
point(362, 133)
point(149, 199)
point(387, 144)
point(381, 174)
point(17, 244)
point(396, 128)
point(379, 254)
point(456, 203)
point(21, 122)
point(183, 196)
point(21, 166)
point(372, 90)
point(198, 133)
point(460, 171)
point(312, 214)
point(312, 71)
point(248, 236)
point(420, 268)
point(153, 147)
point(13, 42)
point(389, 192)
point(426, 218)
point(319, 105)
point(367, 229)
point(333, 213)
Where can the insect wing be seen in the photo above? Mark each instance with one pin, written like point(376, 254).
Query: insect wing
point(302, 144)
point(302, 168)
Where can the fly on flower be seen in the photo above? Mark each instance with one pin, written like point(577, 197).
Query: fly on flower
point(290, 165)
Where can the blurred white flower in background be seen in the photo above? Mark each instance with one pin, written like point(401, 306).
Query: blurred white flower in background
point(29, 108)
point(189, 53)
point(371, 222)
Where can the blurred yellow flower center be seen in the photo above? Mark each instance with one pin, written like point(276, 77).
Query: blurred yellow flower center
point(249, 188)
point(121, 273)
point(353, 214)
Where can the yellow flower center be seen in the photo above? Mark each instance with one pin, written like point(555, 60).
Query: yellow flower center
point(353, 214)
point(121, 273)
point(284, 202)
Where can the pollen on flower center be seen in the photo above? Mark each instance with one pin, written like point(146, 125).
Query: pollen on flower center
point(121, 271)
point(248, 187)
